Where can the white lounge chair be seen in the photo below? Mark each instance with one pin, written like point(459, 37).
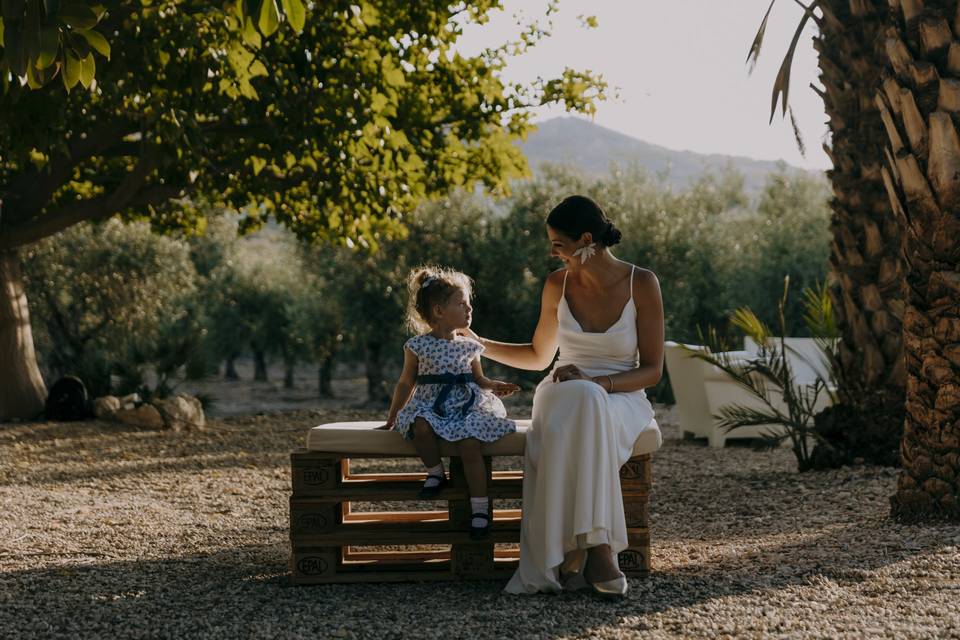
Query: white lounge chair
point(702, 389)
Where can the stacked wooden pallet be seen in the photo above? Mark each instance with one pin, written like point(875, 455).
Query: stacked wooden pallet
point(331, 542)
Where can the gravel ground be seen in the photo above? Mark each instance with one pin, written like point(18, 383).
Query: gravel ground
point(111, 532)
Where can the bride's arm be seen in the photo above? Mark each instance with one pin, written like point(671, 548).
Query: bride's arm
point(646, 297)
point(539, 353)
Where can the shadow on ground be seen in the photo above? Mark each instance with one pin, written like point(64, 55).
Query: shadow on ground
point(245, 591)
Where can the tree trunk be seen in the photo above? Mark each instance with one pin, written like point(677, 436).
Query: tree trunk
point(288, 373)
point(259, 365)
point(22, 391)
point(230, 367)
point(918, 103)
point(376, 385)
point(865, 256)
point(325, 378)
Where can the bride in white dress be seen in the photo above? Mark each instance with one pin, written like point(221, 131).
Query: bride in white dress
point(606, 317)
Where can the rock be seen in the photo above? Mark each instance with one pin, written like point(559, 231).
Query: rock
point(131, 401)
point(105, 407)
point(145, 416)
point(181, 412)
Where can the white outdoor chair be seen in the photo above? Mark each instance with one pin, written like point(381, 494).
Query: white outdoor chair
point(702, 389)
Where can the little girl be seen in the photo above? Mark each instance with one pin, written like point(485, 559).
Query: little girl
point(452, 399)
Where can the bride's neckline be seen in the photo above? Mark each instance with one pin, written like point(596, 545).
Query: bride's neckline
point(563, 297)
point(607, 330)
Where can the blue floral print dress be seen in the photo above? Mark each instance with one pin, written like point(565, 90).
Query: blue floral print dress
point(466, 411)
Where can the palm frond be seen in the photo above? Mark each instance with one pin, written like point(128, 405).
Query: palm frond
point(736, 416)
point(781, 86)
point(754, 54)
point(769, 441)
point(797, 136)
point(748, 322)
point(818, 311)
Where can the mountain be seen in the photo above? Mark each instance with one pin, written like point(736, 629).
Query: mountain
point(592, 149)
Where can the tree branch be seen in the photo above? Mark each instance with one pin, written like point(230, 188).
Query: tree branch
point(30, 191)
point(126, 194)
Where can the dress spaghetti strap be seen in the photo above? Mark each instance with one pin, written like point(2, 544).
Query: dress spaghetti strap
point(563, 291)
point(633, 268)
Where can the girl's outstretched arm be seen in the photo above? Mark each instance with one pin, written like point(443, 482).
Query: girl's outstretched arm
point(499, 388)
point(405, 386)
point(539, 353)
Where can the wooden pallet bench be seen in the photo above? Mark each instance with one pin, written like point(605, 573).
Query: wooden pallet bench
point(333, 542)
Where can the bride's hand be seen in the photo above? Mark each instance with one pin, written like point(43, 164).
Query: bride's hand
point(568, 372)
point(467, 332)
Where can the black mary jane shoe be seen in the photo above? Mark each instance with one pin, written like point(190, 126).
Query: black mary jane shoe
point(479, 533)
point(427, 493)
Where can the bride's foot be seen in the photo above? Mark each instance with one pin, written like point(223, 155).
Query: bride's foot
point(573, 562)
point(600, 566)
point(602, 574)
point(571, 571)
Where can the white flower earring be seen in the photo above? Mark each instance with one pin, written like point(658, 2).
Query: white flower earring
point(586, 251)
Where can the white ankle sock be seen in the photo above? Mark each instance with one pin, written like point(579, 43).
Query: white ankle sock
point(433, 474)
point(479, 505)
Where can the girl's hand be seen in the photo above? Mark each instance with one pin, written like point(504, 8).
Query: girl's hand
point(503, 389)
point(568, 372)
point(385, 427)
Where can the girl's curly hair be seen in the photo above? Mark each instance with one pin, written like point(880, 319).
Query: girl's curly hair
point(429, 286)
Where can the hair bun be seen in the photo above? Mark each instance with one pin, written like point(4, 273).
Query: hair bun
point(611, 235)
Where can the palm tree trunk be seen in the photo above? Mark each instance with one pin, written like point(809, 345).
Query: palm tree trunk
point(918, 102)
point(22, 391)
point(865, 263)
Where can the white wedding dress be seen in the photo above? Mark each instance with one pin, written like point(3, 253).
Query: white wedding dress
point(579, 438)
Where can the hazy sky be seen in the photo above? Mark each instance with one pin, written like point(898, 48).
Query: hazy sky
point(680, 67)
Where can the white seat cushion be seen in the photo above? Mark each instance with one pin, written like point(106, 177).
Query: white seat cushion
point(363, 437)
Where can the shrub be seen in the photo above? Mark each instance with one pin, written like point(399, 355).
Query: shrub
point(108, 300)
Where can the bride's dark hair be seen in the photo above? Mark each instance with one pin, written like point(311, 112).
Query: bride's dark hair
point(577, 215)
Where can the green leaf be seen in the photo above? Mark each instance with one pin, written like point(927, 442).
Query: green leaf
point(88, 70)
point(78, 15)
point(79, 45)
point(33, 81)
point(269, 19)
point(71, 71)
point(49, 46)
point(97, 41)
point(250, 34)
point(296, 13)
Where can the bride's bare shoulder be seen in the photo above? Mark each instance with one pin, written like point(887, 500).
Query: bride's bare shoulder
point(554, 284)
point(555, 278)
point(645, 282)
